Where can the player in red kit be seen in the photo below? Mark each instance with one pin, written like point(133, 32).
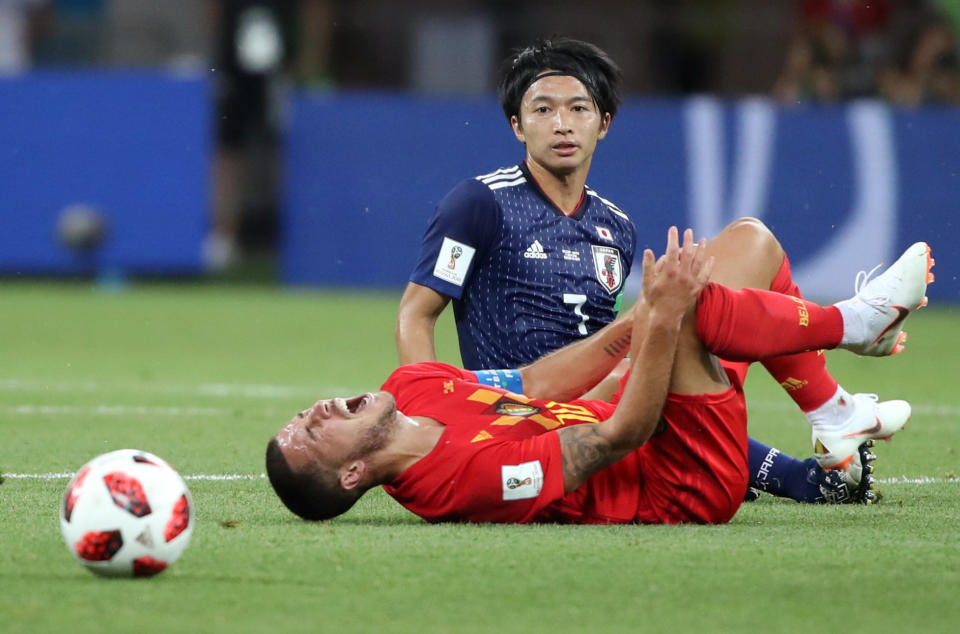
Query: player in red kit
point(670, 448)
point(522, 463)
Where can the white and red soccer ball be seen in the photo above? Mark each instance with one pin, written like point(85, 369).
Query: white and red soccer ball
point(127, 513)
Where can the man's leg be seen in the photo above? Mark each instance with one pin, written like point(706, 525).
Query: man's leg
point(696, 467)
point(805, 480)
point(754, 324)
point(748, 255)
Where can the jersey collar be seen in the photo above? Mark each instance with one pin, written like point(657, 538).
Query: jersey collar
point(577, 214)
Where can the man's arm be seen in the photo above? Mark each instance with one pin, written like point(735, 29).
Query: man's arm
point(417, 316)
point(569, 372)
point(670, 288)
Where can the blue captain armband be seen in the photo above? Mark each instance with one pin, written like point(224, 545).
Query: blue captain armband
point(507, 379)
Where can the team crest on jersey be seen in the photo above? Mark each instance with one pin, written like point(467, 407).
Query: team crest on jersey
point(606, 262)
point(506, 406)
point(510, 408)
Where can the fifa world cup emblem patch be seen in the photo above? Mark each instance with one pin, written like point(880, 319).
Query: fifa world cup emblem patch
point(607, 264)
point(453, 261)
point(455, 253)
point(513, 483)
point(521, 481)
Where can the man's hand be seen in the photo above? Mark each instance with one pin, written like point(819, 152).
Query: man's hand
point(670, 288)
point(672, 283)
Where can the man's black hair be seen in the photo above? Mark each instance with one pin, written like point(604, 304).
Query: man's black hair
point(312, 495)
point(588, 63)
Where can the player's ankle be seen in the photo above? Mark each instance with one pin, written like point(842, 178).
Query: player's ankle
point(854, 329)
point(833, 412)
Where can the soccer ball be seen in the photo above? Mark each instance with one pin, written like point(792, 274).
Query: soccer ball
point(127, 513)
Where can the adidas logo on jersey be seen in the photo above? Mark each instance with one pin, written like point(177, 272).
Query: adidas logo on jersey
point(535, 251)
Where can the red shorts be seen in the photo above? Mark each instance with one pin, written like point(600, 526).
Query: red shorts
point(696, 470)
point(693, 469)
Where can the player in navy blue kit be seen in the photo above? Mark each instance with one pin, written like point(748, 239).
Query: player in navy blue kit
point(530, 255)
point(525, 277)
point(533, 259)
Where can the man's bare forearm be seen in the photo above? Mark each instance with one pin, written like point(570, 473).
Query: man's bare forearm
point(587, 449)
point(670, 288)
point(414, 339)
point(645, 392)
point(569, 372)
point(420, 307)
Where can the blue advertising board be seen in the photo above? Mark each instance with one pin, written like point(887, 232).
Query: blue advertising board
point(844, 187)
point(134, 146)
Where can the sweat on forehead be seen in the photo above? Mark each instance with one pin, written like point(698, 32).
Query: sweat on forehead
point(285, 436)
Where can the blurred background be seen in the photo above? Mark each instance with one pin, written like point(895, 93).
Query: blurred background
point(306, 142)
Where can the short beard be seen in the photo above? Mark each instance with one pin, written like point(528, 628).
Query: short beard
point(377, 435)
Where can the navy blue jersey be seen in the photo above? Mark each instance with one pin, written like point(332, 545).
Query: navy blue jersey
point(525, 278)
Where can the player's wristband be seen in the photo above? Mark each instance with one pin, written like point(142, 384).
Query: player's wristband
point(507, 379)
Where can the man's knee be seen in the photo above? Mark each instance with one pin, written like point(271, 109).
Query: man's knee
point(747, 254)
point(751, 225)
point(752, 237)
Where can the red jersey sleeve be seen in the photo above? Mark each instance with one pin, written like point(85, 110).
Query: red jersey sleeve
point(500, 481)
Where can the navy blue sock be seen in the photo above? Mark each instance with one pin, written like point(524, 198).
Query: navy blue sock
point(782, 475)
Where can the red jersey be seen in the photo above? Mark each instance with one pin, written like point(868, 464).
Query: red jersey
point(496, 462)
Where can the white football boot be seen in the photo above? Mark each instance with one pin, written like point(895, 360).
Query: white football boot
point(873, 318)
point(837, 446)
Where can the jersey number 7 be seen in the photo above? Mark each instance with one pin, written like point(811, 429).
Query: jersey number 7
point(577, 301)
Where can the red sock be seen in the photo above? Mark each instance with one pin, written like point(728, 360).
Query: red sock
point(804, 376)
point(753, 325)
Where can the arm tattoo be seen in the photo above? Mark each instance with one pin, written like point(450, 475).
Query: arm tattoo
point(618, 347)
point(585, 451)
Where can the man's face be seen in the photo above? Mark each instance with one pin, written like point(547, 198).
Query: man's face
point(560, 124)
point(337, 430)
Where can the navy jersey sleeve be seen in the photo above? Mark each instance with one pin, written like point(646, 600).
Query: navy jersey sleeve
point(459, 236)
point(630, 249)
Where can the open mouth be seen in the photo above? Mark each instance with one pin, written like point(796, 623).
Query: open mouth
point(357, 404)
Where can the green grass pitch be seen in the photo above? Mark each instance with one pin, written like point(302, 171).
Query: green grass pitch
point(203, 375)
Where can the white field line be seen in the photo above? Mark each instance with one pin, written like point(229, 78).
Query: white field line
point(229, 477)
point(33, 409)
point(189, 413)
point(207, 477)
point(233, 390)
point(110, 410)
point(921, 409)
point(785, 405)
point(267, 391)
point(218, 390)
